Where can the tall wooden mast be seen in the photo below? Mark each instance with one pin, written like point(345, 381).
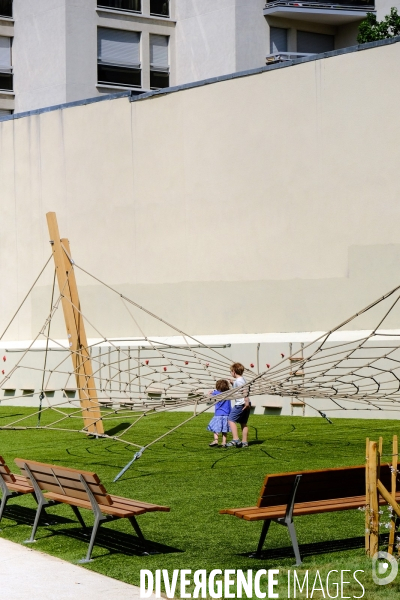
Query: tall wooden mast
point(75, 329)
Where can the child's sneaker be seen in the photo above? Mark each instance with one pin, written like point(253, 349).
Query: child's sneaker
point(245, 445)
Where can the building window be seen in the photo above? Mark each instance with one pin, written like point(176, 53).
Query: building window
point(6, 8)
point(5, 113)
point(118, 56)
point(159, 62)
point(159, 8)
point(6, 76)
point(314, 43)
point(130, 5)
point(278, 40)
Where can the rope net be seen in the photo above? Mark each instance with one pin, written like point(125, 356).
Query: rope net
point(142, 375)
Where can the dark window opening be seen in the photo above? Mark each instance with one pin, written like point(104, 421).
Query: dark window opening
point(309, 42)
point(6, 8)
point(159, 80)
point(116, 75)
point(6, 81)
point(278, 40)
point(159, 8)
point(131, 5)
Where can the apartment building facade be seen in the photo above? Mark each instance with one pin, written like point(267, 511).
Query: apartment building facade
point(58, 51)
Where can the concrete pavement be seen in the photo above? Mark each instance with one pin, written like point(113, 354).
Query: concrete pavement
point(28, 574)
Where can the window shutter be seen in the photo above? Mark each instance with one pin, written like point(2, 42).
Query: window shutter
point(5, 52)
point(278, 40)
point(117, 47)
point(159, 51)
point(314, 43)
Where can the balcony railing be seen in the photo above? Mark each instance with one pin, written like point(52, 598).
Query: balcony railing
point(361, 5)
point(283, 56)
point(128, 5)
point(6, 7)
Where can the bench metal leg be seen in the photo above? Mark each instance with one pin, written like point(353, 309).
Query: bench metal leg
point(263, 535)
point(136, 527)
point(293, 537)
point(99, 517)
point(97, 522)
point(40, 507)
point(41, 501)
point(78, 515)
point(6, 495)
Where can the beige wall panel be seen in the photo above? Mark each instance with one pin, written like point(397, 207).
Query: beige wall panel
point(262, 203)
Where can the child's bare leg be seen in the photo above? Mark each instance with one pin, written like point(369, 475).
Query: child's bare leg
point(223, 439)
point(245, 432)
point(234, 430)
point(216, 437)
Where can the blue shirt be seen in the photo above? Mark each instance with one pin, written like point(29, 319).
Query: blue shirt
point(223, 408)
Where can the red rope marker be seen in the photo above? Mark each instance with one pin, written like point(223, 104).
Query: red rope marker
point(251, 365)
point(147, 362)
point(268, 366)
point(4, 358)
point(186, 362)
point(283, 356)
point(165, 368)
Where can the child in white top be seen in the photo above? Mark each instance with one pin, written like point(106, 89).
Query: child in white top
point(241, 411)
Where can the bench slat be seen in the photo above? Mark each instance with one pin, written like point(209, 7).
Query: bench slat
point(70, 487)
point(317, 485)
point(255, 513)
point(58, 470)
point(127, 502)
point(5, 472)
point(110, 510)
point(64, 480)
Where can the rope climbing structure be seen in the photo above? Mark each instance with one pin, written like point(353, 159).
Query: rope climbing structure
point(347, 368)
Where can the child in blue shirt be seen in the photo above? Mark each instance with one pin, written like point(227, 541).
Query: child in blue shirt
point(219, 422)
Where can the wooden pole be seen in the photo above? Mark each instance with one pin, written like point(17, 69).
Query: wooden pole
point(395, 453)
point(367, 497)
point(373, 496)
point(75, 330)
point(388, 498)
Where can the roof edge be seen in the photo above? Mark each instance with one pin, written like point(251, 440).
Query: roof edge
point(135, 97)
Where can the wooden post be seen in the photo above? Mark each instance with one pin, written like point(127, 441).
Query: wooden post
point(392, 532)
point(367, 497)
point(373, 499)
point(75, 330)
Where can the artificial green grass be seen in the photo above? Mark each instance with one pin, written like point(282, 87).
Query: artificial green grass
point(196, 482)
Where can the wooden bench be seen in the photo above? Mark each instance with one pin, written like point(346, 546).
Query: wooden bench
point(54, 484)
point(12, 485)
point(287, 495)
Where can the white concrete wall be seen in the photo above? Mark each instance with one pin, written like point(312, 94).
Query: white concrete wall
point(39, 53)
point(205, 39)
point(264, 203)
point(252, 34)
point(81, 49)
